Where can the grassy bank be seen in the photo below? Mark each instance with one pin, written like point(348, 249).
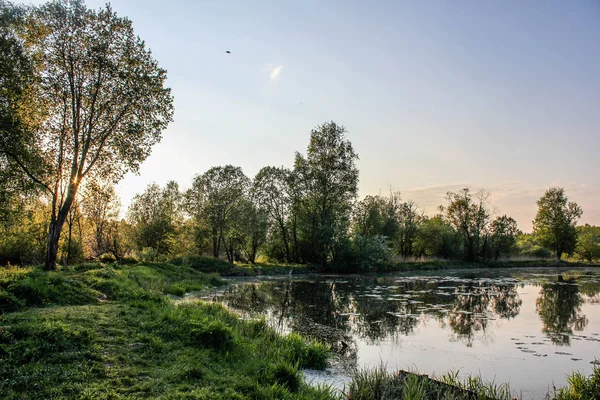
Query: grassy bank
point(111, 332)
point(378, 384)
point(224, 268)
point(443, 265)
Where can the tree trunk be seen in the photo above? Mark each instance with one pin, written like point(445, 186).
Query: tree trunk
point(52, 249)
point(558, 254)
point(56, 225)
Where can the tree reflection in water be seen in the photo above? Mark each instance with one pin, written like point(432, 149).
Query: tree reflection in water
point(559, 308)
point(476, 305)
point(340, 311)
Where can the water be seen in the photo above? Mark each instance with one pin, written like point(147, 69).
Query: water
point(527, 327)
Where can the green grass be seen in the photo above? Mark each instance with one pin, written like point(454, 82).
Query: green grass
point(443, 265)
point(111, 332)
point(378, 384)
point(580, 387)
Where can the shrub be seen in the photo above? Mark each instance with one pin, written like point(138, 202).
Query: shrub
point(148, 254)
point(369, 251)
point(8, 302)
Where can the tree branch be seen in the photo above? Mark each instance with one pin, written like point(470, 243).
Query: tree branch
point(28, 173)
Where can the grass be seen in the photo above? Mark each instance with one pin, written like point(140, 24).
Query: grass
point(378, 384)
point(580, 387)
point(443, 265)
point(225, 268)
point(111, 332)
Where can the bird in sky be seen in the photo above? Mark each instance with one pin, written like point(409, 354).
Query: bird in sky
point(228, 52)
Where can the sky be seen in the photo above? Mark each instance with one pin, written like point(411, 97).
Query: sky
point(435, 95)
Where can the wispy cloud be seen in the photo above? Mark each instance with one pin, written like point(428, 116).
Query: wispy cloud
point(274, 71)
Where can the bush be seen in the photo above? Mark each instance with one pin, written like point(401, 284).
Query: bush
point(369, 251)
point(8, 302)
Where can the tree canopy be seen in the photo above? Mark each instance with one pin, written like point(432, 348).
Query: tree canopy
point(555, 222)
point(96, 105)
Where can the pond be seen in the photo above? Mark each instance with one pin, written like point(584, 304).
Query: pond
point(527, 327)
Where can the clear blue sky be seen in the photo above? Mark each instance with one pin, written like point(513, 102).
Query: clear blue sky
point(501, 95)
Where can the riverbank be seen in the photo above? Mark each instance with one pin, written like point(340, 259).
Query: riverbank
point(224, 268)
point(96, 331)
point(107, 331)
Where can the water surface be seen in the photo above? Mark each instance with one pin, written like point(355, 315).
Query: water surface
point(527, 327)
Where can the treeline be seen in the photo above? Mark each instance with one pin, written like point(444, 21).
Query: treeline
point(306, 214)
point(82, 103)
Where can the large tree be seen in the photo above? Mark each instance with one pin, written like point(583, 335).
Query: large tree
point(555, 222)
point(273, 193)
point(16, 74)
point(214, 201)
point(156, 216)
point(98, 98)
point(469, 214)
point(503, 236)
point(101, 206)
point(329, 177)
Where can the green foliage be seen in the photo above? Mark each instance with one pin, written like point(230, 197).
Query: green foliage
point(437, 238)
point(92, 61)
point(311, 355)
point(503, 236)
point(37, 288)
point(469, 214)
point(274, 192)
point(156, 216)
point(214, 335)
point(555, 222)
point(215, 202)
point(204, 264)
point(328, 181)
point(378, 384)
point(588, 242)
point(141, 345)
point(286, 375)
point(369, 251)
point(580, 387)
point(529, 246)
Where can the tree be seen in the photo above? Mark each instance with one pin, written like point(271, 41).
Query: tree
point(100, 98)
point(503, 236)
point(254, 224)
point(214, 201)
point(273, 193)
point(408, 221)
point(469, 215)
point(101, 208)
point(436, 238)
point(555, 222)
point(156, 216)
point(16, 74)
point(329, 180)
point(369, 216)
point(588, 242)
